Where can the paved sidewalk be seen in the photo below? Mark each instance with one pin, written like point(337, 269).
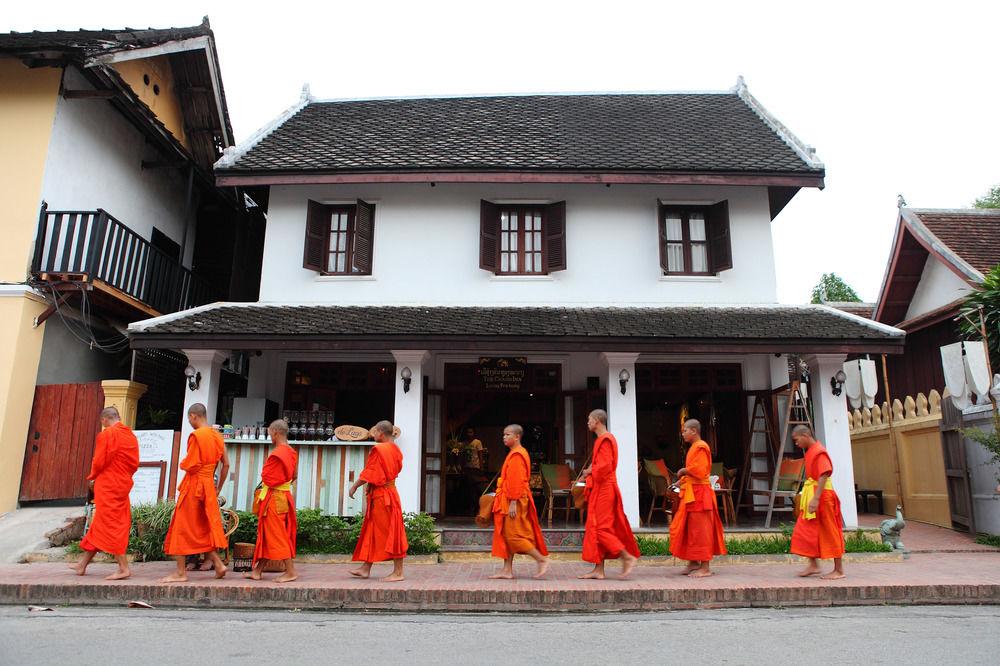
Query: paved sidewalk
point(925, 538)
point(923, 579)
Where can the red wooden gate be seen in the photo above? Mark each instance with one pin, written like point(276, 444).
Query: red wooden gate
point(65, 419)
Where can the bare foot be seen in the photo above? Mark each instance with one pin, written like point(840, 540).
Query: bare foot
point(220, 572)
point(119, 575)
point(78, 569)
point(286, 578)
point(628, 563)
point(174, 578)
point(506, 575)
point(253, 575)
point(393, 578)
point(809, 571)
point(543, 568)
point(593, 575)
point(701, 573)
point(833, 575)
point(360, 573)
point(689, 568)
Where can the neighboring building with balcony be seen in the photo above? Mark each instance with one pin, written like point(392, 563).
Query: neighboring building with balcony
point(111, 215)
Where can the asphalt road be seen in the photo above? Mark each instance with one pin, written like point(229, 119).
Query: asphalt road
point(869, 635)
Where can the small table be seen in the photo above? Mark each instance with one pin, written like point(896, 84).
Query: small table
point(861, 498)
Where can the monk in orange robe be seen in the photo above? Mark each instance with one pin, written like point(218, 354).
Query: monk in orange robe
point(515, 519)
point(608, 535)
point(196, 526)
point(696, 530)
point(275, 507)
point(116, 458)
point(819, 530)
point(383, 535)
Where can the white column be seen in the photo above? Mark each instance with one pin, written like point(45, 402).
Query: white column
point(409, 418)
point(623, 425)
point(209, 363)
point(830, 412)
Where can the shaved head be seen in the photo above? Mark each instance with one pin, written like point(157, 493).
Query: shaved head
point(693, 424)
point(515, 430)
point(383, 427)
point(802, 430)
point(278, 427)
point(111, 414)
point(600, 415)
point(198, 409)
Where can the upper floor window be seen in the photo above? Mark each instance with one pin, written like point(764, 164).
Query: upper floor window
point(694, 240)
point(339, 238)
point(522, 239)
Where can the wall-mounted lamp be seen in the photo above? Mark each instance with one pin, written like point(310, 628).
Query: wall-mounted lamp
point(623, 378)
point(837, 382)
point(407, 377)
point(194, 377)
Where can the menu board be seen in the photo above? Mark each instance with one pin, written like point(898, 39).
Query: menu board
point(148, 483)
point(155, 445)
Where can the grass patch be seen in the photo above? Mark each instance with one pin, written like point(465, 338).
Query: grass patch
point(650, 547)
point(759, 545)
point(988, 540)
point(857, 542)
point(771, 544)
point(73, 548)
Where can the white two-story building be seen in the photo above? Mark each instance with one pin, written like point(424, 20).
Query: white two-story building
point(456, 263)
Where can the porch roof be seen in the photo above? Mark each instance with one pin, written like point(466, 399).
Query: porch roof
point(675, 328)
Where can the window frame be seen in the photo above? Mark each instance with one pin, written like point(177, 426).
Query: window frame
point(541, 251)
point(686, 243)
point(352, 214)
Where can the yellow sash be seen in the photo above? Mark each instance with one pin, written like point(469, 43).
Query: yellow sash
point(686, 486)
point(807, 494)
point(262, 493)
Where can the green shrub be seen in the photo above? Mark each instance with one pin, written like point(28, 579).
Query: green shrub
point(73, 548)
point(320, 533)
point(989, 540)
point(650, 547)
point(759, 545)
point(246, 532)
point(149, 528)
point(859, 543)
point(420, 533)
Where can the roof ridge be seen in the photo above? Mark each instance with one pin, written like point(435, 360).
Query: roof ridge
point(871, 323)
point(911, 218)
point(985, 212)
point(805, 152)
point(593, 93)
point(232, 154)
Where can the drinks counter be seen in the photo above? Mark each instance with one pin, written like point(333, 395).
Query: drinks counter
point(327, 469)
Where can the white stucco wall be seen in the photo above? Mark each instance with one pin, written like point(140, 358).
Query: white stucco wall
point(938, 286)
point(95, 161)
point(426, 247)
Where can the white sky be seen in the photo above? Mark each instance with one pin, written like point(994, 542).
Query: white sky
point(897, 97)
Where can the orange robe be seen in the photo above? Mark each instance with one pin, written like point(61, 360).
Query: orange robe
point(696, 530)
point(196, 526)
point(520, 534)
point(822, 536)
point(607, 532)
point(383, 534)
point(116, 458)
point(276, 523)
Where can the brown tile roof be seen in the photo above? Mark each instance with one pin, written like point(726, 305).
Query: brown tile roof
point(865, 310)
point(973, 234)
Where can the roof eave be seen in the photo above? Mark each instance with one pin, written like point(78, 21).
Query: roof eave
point(233, 177)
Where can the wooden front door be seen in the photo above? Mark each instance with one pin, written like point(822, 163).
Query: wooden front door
point(956, 469)
point(65, 419)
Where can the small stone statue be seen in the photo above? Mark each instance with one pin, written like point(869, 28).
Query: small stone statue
point(890, 529)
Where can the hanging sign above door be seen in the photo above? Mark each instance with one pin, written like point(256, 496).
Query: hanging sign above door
point(502, 373)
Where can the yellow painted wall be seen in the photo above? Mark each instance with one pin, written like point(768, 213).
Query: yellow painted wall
point(20, 349)
point(166, 105)
point(27, 110)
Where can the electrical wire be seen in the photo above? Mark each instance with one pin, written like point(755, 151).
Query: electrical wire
point(83, 330)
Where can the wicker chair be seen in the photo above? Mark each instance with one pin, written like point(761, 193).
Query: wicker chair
point(660, 478)
point(558, 484)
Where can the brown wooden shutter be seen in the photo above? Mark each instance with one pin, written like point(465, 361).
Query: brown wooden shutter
point(555, 237)
point(662, 235)
point(489, 233)
point(720, 251)
point(317, 230)
point(364, 237)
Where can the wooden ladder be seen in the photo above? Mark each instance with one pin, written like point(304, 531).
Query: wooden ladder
point(760, 424)
point(797, 413)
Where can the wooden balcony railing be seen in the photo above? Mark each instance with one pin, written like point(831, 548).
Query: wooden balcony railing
point(92, 245)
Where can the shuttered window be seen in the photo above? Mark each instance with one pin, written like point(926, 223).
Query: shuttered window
point(522, 240)
point(695, 240)
point(339, 238)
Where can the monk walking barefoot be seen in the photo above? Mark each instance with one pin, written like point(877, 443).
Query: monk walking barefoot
point(819, 530)
point(383, 534)
point(607, 535)
point(515, 519)
point(116, 458)
point(275, 507)
point(196, 526)
point(696, 530)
